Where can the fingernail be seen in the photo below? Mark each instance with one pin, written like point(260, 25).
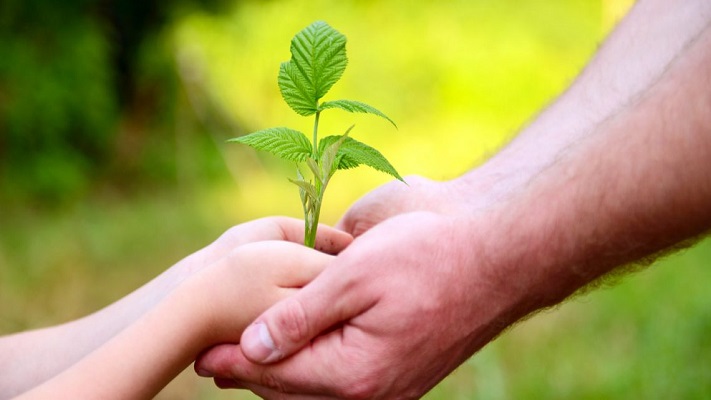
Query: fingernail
point(204, 373)
point(258, 345)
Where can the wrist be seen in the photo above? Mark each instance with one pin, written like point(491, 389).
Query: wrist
point(188, 309)
point(506, 245)
point(217, 303)
point(483, 187)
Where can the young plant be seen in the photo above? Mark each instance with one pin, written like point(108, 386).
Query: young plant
point(318, 59)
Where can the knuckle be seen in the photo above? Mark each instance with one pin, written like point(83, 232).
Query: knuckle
point(230, 235)
point(292, 323)
point(360, 226)
point(276, 223)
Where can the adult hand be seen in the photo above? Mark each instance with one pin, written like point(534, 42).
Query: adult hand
point(401, 307)
point(394, 198)
point(409, 299)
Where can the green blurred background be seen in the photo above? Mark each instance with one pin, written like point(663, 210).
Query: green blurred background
point(113, 166)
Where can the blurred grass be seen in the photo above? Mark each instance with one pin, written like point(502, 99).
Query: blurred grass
point(459, 78)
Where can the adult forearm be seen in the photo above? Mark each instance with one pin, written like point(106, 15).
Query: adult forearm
point(615, 170)
point(630, 61)
point(635, 186)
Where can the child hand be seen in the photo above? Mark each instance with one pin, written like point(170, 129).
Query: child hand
point(208, 298)
point(237, 288)
point(328, 240)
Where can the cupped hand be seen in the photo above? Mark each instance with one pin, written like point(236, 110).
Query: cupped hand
point(328, 240)
point(245, 282)
point(402, 307)
point(394, 198)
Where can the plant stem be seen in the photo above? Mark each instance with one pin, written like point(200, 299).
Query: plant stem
point(311, 217)
point(311, 223)
point(315, 137)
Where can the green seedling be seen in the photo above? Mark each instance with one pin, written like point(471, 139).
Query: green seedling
point(318, 60)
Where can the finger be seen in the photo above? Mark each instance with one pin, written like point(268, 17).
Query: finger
point(224, 383)
point(361, 216)
point(328, 240)
point(387, 201)
point(264, 392)
point(373, 208)
point(267, 393)
point(307, 264)
point(298, 265)
point(347, 220)
point(331, 298)
point(304, 373)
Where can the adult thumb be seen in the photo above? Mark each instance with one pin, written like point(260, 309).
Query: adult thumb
point(292, 323)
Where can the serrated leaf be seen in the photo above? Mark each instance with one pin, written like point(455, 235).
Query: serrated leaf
point(318, 59)
point(296, 91)
point(286, 143)
point(354, 107)
point(353, 153)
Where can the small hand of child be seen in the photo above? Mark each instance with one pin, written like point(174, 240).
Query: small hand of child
point(240, 286)
point(215, 294)
point(328, 240)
